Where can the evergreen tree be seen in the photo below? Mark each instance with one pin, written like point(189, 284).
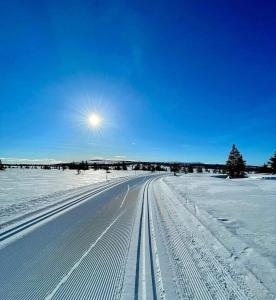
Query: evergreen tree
point(124, 166)
point(83, 165)
point(137, 167)
point(272, 163)
point(235, 165)
point(190, 169)
point(159, 168)
point(175, 168)
point(117, 167)
point(185, 170)
point(199, 169)
point(144, 167)
point(264, 169)
point(2, 167)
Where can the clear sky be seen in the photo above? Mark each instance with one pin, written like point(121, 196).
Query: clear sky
point(172, 80)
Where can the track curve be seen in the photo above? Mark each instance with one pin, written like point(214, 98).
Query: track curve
point(126, 240)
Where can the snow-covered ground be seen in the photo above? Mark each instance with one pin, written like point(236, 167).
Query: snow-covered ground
point(26, 190)
point(148, 237)
point(240, 213)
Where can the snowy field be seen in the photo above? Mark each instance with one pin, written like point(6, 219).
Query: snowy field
point(25, 190)
point(146, 237)
point(241, 213)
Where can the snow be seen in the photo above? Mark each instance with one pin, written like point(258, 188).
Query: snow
point(26, 190)
point(190, 236)
point(77, 264)
point(240, 213)
point(79, 254)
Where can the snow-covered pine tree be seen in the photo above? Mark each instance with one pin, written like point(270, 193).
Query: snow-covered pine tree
point(235, 165)
point(272, 163)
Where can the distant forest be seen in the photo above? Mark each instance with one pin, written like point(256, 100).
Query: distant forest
point(235, 166)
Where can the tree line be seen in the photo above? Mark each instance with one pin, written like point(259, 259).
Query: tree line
point(235, 166)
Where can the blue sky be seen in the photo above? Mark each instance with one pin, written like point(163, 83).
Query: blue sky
point(172, 80)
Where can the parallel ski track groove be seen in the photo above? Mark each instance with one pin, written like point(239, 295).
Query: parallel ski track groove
point(12, 231)
point(162, 294)
point(137, 276)
point(150, 248)
point(121, 236)
point(138, 253)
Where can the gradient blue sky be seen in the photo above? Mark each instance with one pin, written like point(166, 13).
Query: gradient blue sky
point(173, 80)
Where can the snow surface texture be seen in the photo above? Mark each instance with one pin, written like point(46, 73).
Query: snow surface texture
point(241, 213)
point(26, 190)
point(136, 239)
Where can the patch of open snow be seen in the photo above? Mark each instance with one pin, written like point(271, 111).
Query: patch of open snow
point(241, 213)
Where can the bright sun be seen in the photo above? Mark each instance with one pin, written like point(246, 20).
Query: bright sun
point(94, 120)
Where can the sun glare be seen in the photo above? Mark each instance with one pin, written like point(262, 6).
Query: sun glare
point(94, 120)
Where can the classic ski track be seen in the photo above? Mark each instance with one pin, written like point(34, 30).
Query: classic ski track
point(88, 189)
point(37, 219)
point(146, 240)
point(155, 252)
point(101, 271)
point(98, 271)
point(213, 274)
